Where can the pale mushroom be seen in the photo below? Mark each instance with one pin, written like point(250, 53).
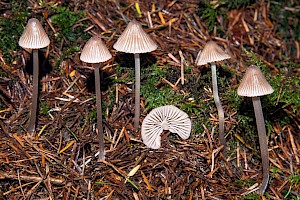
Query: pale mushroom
point(93, 52)
point(254, 84)
point(164, 118)
point(34, 37)
point(210, 54)
point(135, 40)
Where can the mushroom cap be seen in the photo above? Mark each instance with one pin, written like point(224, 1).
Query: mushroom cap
point(95, 51)
point(34, 36)
point(211, 53)
point(254, 83)
point(135, 40)
point(165, 118)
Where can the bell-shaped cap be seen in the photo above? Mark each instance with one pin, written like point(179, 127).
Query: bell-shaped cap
point(254, 83)
point(135, 40)
point(95, 51)
point(34, 36)
point(211, 53)
point(165, 118)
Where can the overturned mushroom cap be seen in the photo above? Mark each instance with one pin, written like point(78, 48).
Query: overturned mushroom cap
point(254, 83)
point(95, 51)
point(135, 40)
point(164, 118)
point(34, 36)
point(211, 53)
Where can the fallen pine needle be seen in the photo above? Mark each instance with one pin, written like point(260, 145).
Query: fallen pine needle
point(146, 181)
point(18, 139)
point(67, 146)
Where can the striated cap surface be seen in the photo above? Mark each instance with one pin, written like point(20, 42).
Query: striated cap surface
point(95, 51)
point(135, 40)
point(165, 118)
point(211, 53)
point(254, 83)
point(34, 36)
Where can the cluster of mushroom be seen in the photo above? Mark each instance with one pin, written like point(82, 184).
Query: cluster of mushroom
point(253, 84)
point(135, 40)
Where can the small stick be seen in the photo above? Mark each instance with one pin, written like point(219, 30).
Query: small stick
point(161, 17)
point(182, 67)
point(173, 58)
point(4, 175)
point(21, 184)
point(117, 92)
point(149, 20)
point(238, 159)
point(245, 159)
point(294, 147)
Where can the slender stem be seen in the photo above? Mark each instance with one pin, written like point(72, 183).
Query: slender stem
point(99, 114)
point(35, 92)
point(137, 90)
point(263, 142)
point(219, 107)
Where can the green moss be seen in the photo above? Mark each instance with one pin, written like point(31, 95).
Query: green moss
point(286, 90)
point(252, 196)
point(109, 102)
point(156, 93)
point(286, 19)
point(67, 53)
point(209, 13)
point(294, 180)
point(9, 33)
point(44, 108)
point(69, 30)
point(210, 10)
point(92, 116)
point(64, 20)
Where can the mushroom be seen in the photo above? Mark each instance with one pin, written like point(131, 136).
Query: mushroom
point(254, 85)
point(34, 37)
point(164, 118)
point(210, 54)
point(93, 52)
point(135, 40)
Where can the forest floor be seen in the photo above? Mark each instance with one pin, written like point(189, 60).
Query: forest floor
point(60, 160)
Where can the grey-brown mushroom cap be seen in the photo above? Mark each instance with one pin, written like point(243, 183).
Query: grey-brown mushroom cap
point(95, 51)
point(164, 118)
point(135, 40)
point(254, 83)
point(34, 36)
point(211, 53)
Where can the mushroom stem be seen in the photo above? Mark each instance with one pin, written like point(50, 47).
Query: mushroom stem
point(35, 92)
point(99, 114)
point(219, 107)
point(263, 142)
point(137, 90)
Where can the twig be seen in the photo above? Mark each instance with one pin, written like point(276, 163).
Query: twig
point(21, 185)
point(294, 148)
point(182, 67)
point(4, 175)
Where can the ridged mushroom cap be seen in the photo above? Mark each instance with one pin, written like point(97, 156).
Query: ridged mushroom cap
point(211, 53)
point(165, 118)
point(254, 83)
point(95, 51)
point(34, 36)
point(135, 40)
